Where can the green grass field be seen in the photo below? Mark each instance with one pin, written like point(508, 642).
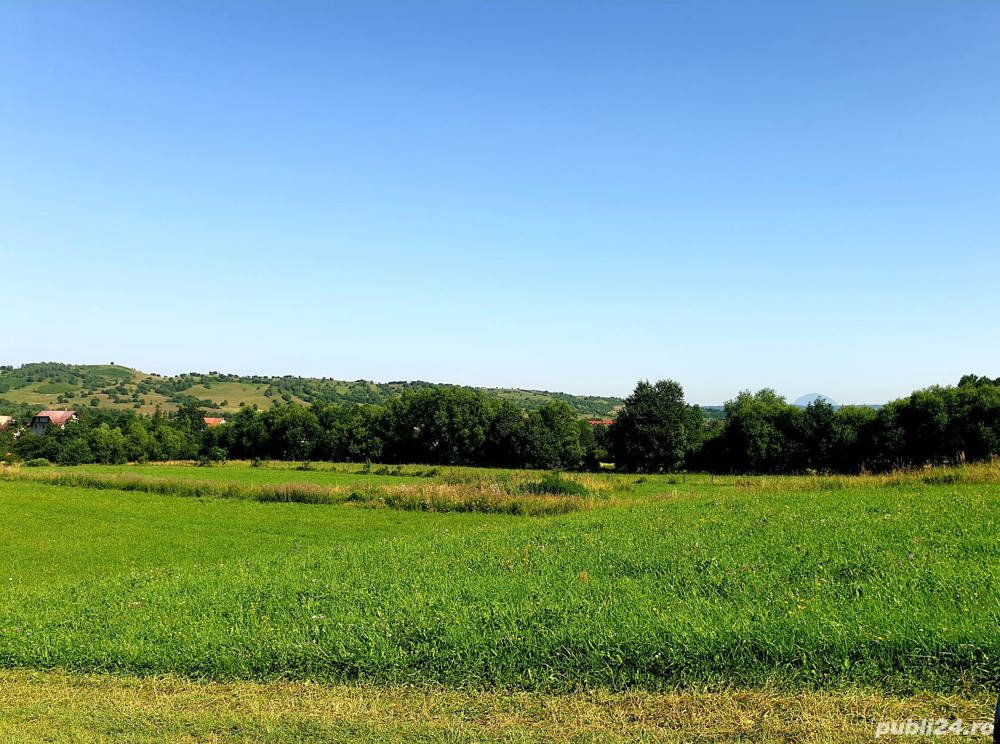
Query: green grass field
point(887, 586)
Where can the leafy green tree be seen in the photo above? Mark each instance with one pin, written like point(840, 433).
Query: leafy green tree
point(816, 427)
point(761, 435)
point(602, 448)
point(31, 446)
point(171, 442)
point(441, 425)
point(853, 439)
point(75, 451)
point(655, 429)
point(976, 417)
point(350, 433)
point(293, 432)
point(190, 416)
point(139, 444)
point(550, 438)
point(927, 425)
point(592, 455)
point(503, 446)
point(6, 445)
point(108, 445)
point(245, 434)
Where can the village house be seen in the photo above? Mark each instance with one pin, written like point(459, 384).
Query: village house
point(211, 422)
point(44, 419)
point(6, 421)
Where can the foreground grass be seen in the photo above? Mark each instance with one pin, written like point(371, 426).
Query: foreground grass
point(59, 707)
point(889, 585)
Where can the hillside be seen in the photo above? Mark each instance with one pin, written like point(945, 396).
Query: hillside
point(56, 385)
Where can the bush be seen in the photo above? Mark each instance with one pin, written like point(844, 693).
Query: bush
point(37, 462)
point(214, 455)
point(555, 484)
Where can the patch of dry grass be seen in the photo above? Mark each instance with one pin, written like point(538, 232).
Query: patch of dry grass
point(981, 473)
point(486, 497)
point(494, 494)
point(60, 707)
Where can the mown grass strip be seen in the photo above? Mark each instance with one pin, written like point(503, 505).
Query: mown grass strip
point(60, 707)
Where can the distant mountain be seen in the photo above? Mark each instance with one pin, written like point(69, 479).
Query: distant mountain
point(52, 385)
point(808, 398)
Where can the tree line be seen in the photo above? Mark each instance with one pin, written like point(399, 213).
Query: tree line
point(762, 433)
point(656, 430)
point(440, 426)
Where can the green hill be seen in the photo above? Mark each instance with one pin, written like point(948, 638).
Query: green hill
point(54, 385)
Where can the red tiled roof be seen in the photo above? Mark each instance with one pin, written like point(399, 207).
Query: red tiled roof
point(600, 422)
point(58, 418)
point(213, 421)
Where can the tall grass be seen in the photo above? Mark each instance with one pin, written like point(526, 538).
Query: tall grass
point(484, 494)
point(981, 473)
point(305, 493)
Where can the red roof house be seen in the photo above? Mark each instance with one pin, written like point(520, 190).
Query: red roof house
point(211, 422)
point(44, 419)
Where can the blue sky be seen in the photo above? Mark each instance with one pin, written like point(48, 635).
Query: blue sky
point(562, 195)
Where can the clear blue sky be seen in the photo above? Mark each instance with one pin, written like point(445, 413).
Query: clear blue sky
point(562, 195)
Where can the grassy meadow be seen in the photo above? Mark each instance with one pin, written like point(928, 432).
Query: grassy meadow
point(811, 588)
